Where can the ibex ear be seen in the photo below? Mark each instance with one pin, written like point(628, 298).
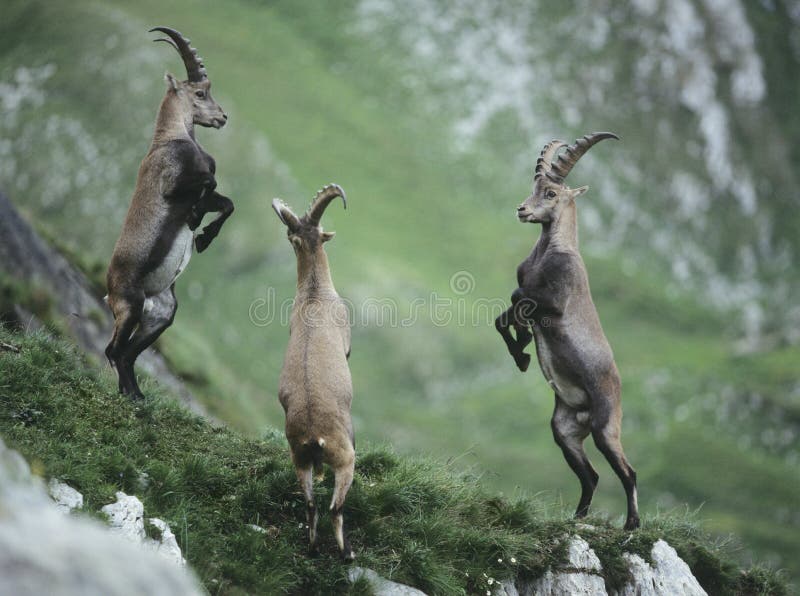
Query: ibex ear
point(576, 192)
point(172, 82)
point(328, 236)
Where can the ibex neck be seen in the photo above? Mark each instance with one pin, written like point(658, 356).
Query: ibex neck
point(562, 233)
point(314, 273)
point(174, 120)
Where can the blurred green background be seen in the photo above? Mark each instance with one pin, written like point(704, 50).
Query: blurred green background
point(430, 114)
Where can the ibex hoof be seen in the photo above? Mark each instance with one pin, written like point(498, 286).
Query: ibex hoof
point(202, 241)
point(632, 523)
point(348, 556)
point(523, 361)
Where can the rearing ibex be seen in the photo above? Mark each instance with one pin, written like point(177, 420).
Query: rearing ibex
point(175, 188)
point(553, 300)
point(315, 385)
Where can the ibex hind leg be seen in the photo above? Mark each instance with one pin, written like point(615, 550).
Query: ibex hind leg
point(570, 428)
point(606, 426)
point(157, 314)
point(306, 479)
point(127, 310)
point(344, 479)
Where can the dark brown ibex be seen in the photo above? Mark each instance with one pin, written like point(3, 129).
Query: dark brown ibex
point(553, 306)
point(175, 188)
point(315, 385)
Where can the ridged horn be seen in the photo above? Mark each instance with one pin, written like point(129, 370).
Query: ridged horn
point(322, 200)
point(195, 70)
point(567, 160)
point(544, 163)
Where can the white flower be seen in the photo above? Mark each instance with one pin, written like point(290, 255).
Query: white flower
point(488, 593)
point(513, 560)
point(300, 526)
point(490, 581)
point(499, 560)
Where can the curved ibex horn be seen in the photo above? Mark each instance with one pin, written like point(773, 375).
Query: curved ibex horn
point(567, 160)
point(195, 70)
point(544, 163)
point(322, 200)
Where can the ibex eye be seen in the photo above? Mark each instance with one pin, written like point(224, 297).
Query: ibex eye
point(200, 94)
point(551, 194)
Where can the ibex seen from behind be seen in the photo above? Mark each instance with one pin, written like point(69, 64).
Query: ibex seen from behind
point(315, 385)
point(553, 306)
point(175, 188)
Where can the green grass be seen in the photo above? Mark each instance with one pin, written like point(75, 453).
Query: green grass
point(417, 521)
point(311, 102)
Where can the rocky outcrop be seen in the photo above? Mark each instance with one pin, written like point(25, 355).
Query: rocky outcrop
point(126, 518)
point(381, 586)
point(580, 574)
point(668, 574)
point(43, 551)
point(26, 257)
point(65, 497)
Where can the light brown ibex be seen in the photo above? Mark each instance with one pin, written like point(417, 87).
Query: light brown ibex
point(315, 385)
point(175, 188)
point(553, 306)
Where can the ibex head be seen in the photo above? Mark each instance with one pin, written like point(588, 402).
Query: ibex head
point(195, 92)
point(550, 194)
point(304, 232)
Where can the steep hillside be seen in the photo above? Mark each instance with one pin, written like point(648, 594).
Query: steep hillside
point(417, 521)
point(430, 116)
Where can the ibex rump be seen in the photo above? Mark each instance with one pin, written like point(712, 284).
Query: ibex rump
point(175, 188)
point(315, 385)
point(553, 305)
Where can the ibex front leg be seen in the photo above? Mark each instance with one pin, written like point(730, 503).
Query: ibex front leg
point(517, 316)
point(211, 202)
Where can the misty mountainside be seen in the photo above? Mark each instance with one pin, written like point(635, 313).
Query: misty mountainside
point(431, 115)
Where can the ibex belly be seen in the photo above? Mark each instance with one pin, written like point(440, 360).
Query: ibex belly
point(570, 393)
point(173, 264)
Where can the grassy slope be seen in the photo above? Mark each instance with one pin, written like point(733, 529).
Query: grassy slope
point(416, 218)
point(417, 521)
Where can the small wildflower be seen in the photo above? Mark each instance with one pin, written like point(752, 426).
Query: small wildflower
point(490, 581)
point(513, 561)
point(488, 593)
point(499, 560)
point(300, 526)
point(484, 575)
point(371, 484)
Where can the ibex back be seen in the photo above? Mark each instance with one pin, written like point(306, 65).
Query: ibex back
point(553, 306)
point(315, 385)
point(175, 188)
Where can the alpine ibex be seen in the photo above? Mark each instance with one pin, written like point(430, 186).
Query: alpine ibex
point(175, 188)
point(315, 385)
point(553, 306)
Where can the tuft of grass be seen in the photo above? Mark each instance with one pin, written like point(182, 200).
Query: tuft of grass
point(416, 521)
